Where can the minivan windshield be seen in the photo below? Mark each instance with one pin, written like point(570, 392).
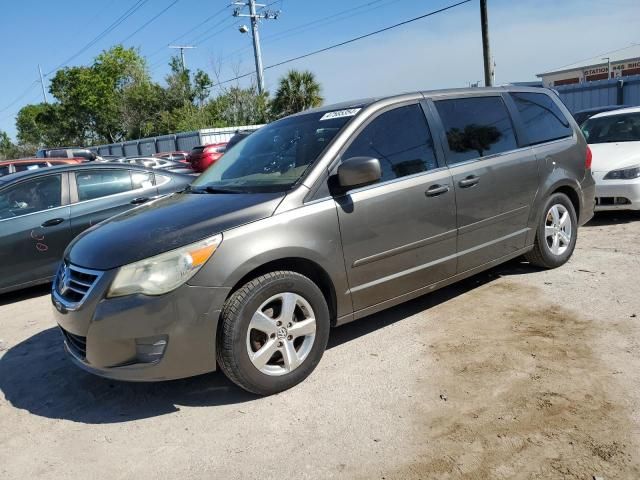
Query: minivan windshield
point(624, 127)
point(275, 157)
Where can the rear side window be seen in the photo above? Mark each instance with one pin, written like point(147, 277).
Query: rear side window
point(400, 139)
point(476, 127)
point(543, 120)
point(102, 183)
point(32, 196)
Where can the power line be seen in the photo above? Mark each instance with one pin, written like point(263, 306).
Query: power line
point(151, 20)
point(21, 96)
point(594, 56)
point(130, 11)
point(346, 42)
point(293, 30)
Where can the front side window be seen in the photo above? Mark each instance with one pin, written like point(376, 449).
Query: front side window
point(275, 157)
point(102, 183)
point(400, 139)
point(21, 167)
point(623, 127)
point(476, 127)
point(142, 179)
point(543, 120)
point(31, 196)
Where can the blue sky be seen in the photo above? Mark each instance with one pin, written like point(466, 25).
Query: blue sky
point(527, 37)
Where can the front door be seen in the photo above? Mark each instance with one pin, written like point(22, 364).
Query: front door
point(495, 180)
point(35, 229)
point(398, 235)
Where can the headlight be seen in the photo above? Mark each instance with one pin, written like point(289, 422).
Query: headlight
point(625, 174)
point(165, 272)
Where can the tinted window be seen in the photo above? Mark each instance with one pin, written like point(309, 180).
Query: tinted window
point(101, 183)
point(542, 118)
point(476, 127)
point(31, 196)
point(57, 154)
point(613, 128)
point(5, 170)
point(400, 139)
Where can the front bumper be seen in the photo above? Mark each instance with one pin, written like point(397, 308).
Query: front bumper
point(139, 337)
point(616, 194)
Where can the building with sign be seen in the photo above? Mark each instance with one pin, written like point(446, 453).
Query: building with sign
point(622, 63)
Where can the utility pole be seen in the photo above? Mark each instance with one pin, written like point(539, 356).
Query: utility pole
point(44, 92)
point(182, 49)
point(486, 50)
point(255, 16)
point(608, 59)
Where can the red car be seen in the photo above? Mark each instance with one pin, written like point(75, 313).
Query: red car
point(178, 155)
point(203, 156)
point(12, 166)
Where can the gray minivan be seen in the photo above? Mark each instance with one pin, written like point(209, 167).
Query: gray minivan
point(319, 219)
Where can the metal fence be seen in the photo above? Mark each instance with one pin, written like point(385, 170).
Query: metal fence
point(170, 143)
point(617, 91)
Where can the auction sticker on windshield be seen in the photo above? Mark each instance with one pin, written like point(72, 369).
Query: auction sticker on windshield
point(350, 112)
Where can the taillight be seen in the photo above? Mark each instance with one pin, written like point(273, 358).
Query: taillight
point(215, 149)
point(588, 159)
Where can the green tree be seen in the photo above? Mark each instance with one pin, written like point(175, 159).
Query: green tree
point(41, 125)
point(297, 91)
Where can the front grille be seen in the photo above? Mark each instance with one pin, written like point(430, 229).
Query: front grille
point(73, 283)
point(75, 343)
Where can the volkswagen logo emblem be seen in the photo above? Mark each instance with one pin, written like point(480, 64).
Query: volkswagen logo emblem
point(282, 333)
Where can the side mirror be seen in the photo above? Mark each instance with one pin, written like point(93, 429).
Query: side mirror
point(358, 172)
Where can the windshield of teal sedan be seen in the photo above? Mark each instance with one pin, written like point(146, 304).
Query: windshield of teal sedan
point(275, 157)
point(613, 128)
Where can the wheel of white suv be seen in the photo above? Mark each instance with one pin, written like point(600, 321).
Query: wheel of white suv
point(273, 332)
point(556, 233)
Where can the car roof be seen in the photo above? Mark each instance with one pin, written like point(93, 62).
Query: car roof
point(71, 167)
point(620, 111)
point(365, 102)
point(602, 108)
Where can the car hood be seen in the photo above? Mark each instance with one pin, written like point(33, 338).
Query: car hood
point(167, 223)
point(613, 156)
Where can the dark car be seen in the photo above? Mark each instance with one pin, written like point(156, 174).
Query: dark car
point(67, 152)
point(318, 219)
point(582, 116)
point(20, 165)
point(203, 156)
point(239, 135)
point(41, 211)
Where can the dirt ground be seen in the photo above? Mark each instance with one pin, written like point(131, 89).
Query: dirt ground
point(514, 373)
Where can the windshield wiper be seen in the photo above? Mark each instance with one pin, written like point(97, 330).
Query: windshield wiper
point(211, 189)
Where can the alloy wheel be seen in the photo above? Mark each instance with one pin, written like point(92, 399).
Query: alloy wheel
point(558, 229)
point(281, 334)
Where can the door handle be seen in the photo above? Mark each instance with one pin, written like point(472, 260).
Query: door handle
point(139, 200)
point(435, 190)
point(53, 222)
point(470, 181)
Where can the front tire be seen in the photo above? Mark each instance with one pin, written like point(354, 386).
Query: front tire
point(556, 233)
point(273, 332)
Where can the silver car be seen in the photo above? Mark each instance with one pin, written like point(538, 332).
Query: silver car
point(319, 219)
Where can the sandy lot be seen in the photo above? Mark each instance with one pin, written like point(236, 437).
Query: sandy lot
point(514, 373)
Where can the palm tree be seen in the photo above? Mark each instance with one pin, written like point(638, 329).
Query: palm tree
point(297, 91)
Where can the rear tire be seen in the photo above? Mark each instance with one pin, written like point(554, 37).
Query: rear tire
point(273, 332)
point(556, 233)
